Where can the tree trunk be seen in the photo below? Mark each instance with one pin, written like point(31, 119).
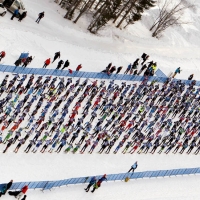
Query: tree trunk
point(84, 9)
point(121, 11)
point(92, 4)
point(71, 8)
point(98, 4)
point(127, 12)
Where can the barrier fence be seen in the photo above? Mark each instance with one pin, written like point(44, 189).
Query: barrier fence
point(160, 76)
point(47, 185)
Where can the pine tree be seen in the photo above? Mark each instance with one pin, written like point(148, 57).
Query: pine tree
point(102, 16)
point(85, 7)
point(136, 12)
point(70, 10)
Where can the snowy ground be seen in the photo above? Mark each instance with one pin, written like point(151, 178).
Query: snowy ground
point(175, 188)
point(178, 47)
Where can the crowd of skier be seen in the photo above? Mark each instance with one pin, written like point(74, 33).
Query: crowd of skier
point(51, 113)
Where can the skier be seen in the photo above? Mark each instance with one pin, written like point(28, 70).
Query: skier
point(78, 67)
point(133, 167)
point(29, 146)
point(18, 62)
point(2, 55)
point(113, 68)
point(98, 184)
point(87, 143)
point(191, 77)
point(39, 142)
point(62, 144)
point(46, 63)
point(67, 63)
point(23, 191)
point(21, 141)
point(119, 69)
point(27, 61)
point(22, 16)
point(10, 141)
point(91, 183)
point(45, 146)
point(16, 13)
point(95, 143)
point(57, 55)
point(40, 16)
point(60, 63)
point(128, 69)
point(144, 57)
point(178, 70)
point(6, 188)
point(95, 186)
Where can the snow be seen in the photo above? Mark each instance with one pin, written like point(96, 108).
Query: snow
point(179, 46)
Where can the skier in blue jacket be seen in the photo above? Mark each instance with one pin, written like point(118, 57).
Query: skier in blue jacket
point(92, 182)
point(133, 167)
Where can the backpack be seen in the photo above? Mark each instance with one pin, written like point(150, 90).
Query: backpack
point(144, 55)
point(3, 190)
point(127, 179)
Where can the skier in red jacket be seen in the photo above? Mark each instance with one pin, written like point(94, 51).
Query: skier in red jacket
point(2, 54)
point(23, 191)
point(79, 67)
point(46, 63)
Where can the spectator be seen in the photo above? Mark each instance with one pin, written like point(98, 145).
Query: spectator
point(22, 16)
point(40, 16)
point(15, 14)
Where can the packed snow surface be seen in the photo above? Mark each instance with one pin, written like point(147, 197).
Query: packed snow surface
point(179, 46)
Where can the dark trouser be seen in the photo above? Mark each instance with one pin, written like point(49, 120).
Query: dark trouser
point(45, 65)
point(93, 189)
point(28, 148)
point(59, 148)
point(131, 169)
point(182, 150)
point(81, 140)
point(102, 149)
point(88, 187)
point(24, 65)
point(197, 151)
point(15, 139)
point(108, 149)
point(58, 67)
point(72, 140)
point(84, 148)
point(38, 20)
point(176, 149)
point(64, 67)
point(14, 15)
point(14, 193)
point(190, 149)
point(43, 148)
point(91, 119)
point(55, 57)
